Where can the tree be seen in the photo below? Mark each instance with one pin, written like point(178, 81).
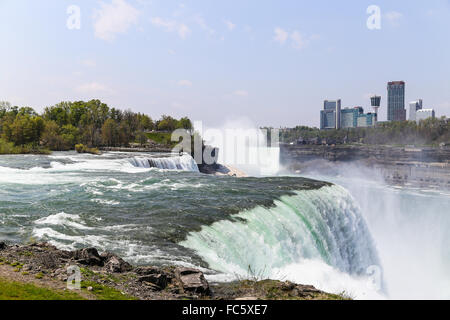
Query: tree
point(141, 137)
point(145, 122)
point(26, 129)
point(70, 135)
point(110, 133)
point(51, 137)
point(167, 123)
point(184, 123)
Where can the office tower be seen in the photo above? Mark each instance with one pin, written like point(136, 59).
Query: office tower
point(396, 101)
point(349, 117)
point(330, 116)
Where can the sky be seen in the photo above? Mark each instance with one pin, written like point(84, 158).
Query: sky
point(271, 62)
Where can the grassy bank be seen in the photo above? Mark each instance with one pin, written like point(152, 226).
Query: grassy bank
point(13, 290)
point(162, 138)
point(38, 271)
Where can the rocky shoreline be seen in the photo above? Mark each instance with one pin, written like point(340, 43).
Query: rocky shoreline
point(108, 277)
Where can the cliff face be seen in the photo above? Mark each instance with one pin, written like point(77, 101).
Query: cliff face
point(398, 165)
point(380, 154)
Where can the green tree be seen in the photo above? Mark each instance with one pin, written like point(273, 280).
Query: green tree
point(110, 133)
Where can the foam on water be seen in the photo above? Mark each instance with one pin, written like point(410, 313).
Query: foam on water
point(50, 175)
point(316, 236)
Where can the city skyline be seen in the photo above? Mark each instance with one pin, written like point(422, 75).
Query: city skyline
point(218, 61)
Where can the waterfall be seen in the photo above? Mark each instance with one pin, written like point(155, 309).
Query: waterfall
point(303, 237)
point(183, 163)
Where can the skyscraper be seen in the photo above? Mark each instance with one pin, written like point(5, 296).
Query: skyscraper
point(414, 106)
point(330, 116)
point(396, 101)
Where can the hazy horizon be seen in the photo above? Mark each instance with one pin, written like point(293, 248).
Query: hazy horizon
point(270, 62)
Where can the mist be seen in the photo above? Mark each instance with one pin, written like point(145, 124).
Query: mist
point(409, 226)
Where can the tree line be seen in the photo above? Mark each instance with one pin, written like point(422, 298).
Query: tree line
point(427, 132)
point(93, 123)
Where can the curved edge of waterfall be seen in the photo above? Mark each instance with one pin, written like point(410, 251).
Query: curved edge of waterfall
point(317, 237)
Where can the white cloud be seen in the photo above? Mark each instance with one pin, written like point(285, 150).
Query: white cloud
point(93, 88)
point(201, 22)
point(280, 35)
point(241, 93)
point(297, 40)
point(171, 26)
point(172, 52)
point(185, 83)
point(393, 17)
point(113, 19)
point(230, 25)
point(184, 31)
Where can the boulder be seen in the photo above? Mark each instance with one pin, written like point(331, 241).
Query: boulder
point(193, 281)
point(3, 246)
point(115, 264)
point(159, 280)
point(89, 257)
point(143, 271)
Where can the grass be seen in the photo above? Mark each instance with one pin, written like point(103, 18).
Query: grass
point(102, 292)
point(271, 290)
point(25, 291)
point(163, 138)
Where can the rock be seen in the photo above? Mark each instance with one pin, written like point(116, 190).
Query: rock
point(115, 264)
point(90, 289)
point(3, 246)
point(287, 286)
point(151, 286)
point(47, 260)
point(88, 257)
point(159, 280)
point(147, 270)
point(27, 267)
point(304, 291)
point(193, 280)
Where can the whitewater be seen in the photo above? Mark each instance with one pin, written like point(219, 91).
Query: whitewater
point(358, 237)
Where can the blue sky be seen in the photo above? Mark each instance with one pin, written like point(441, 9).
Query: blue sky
point(272, 62)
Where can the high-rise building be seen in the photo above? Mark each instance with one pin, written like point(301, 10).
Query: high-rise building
point(366, 120)
point(414, 106)
point(349, 117)
point(330, 116)
point(423, 114)
point(396, 101)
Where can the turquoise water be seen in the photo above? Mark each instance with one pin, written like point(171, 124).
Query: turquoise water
point(114, 202)
point(283, 227)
